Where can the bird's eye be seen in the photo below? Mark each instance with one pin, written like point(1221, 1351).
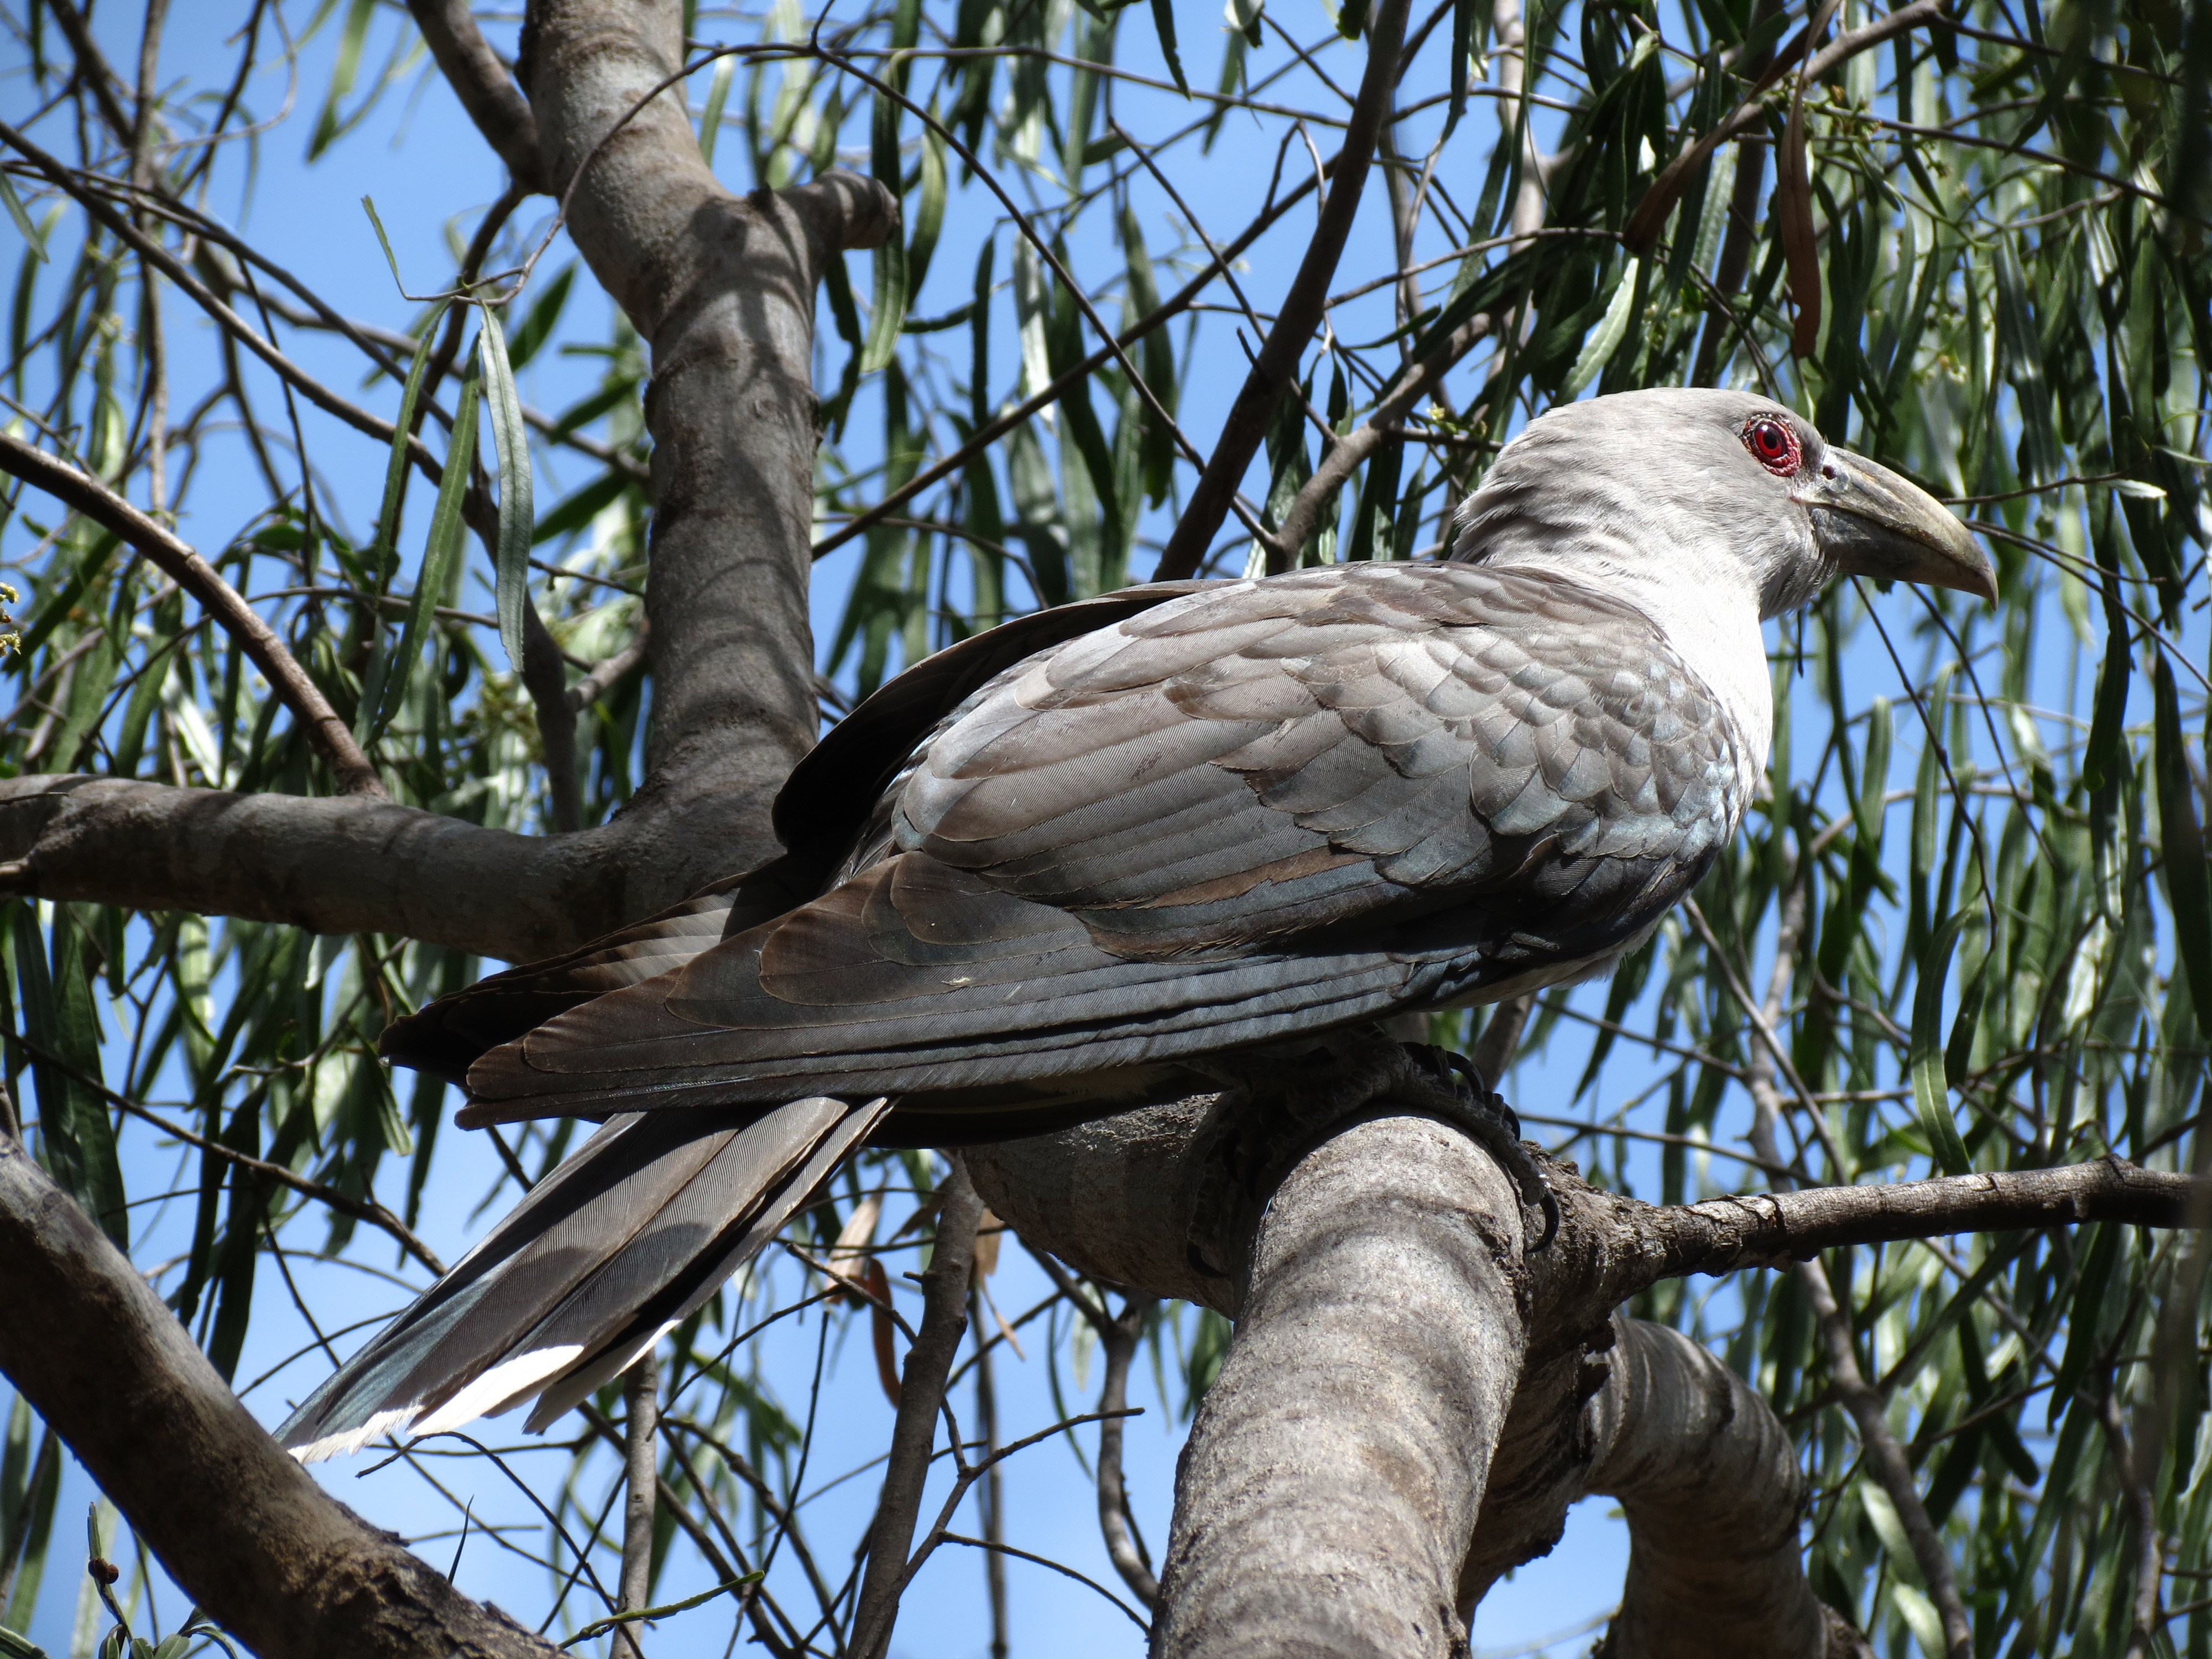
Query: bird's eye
point(1773, 445)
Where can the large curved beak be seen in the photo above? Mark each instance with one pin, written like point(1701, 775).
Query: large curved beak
point(1870, 522)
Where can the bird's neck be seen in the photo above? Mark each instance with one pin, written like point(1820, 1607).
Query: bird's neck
point(1706, 608)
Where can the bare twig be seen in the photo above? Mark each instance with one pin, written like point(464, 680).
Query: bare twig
point(359, 1209)
point(1650, 215)
point(928, 1366)
point(86, 494)
point(1078, 374)
point(1356, 446)
point(642, 1398)
point(1123, 1546)
point(1300, 314)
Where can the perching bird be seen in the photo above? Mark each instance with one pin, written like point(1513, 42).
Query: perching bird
point(1038, 874)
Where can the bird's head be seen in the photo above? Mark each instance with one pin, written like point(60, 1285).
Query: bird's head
point(1718, 484)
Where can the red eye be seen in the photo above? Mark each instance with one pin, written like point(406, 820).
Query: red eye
point(1773, 445)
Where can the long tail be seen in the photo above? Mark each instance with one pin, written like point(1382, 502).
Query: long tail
point(626, 1238)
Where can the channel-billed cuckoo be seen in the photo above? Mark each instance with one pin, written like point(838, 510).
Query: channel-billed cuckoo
point(1039, 875)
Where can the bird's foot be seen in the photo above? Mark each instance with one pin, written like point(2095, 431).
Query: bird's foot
point(1279, 1103)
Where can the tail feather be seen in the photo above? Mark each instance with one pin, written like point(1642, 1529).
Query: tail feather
point(626, 1238)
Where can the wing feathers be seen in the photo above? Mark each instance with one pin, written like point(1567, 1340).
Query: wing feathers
point(641, 1224)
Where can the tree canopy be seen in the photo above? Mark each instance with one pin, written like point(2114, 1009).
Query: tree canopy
point(1969, 928)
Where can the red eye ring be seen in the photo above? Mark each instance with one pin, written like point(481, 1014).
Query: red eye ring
point(1773, 445)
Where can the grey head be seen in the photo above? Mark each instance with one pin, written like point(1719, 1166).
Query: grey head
point(1727, 491)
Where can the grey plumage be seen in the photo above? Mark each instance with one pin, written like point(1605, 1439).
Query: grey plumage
point(1037, 876)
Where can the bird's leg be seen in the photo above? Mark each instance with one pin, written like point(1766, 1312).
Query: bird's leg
point(1279, 1102)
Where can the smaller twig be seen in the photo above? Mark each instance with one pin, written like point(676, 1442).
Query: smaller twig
point(609, 672)
point(622, 1620)
point(1124, 1546)
point(360, 1210)
point(928, 1367)
point(94, 500)
point(1889, 1465)
point(1135, 1617)
point(1356, 446)
point(640, 1440)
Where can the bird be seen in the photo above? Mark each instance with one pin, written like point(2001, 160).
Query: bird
point(1055, 870)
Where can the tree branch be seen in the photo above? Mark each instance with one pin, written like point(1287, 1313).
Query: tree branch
point(1123, 1548)
point(481, 81)
point(1650, 217)
point(722, 287)
point(89, 497)
point(641, 1469)
point(929, 1365)
point(1773, 1230)
point(1337, 1465)
point(1709, 1483)
point(1276, 366)
point(347, 864)
point(277, 1561)
point(1344, 458)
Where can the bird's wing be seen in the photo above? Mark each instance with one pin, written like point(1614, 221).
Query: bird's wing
point(1279, 757)
point(1249, 812)
point(823, 808)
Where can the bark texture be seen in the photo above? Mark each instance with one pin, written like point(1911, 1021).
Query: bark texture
point(722, 287)
point(257, 1544)
point(1709, 1483)
point(1337, 1464)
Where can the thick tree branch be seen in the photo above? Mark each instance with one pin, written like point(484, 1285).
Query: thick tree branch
point(1275, 370)
point(88, 497)
point(342, 864)
point(1381, 1339)
point(1709, 1483)
point(239, 1525)
point(481, 81)
point(722, 287)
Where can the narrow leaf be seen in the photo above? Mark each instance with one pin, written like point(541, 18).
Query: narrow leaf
point(1605, 339)
point(1164, 23)
point(2188, 887)
point(1930, 1092)
point(442, 547)
point(13, 203)
point(511, 439)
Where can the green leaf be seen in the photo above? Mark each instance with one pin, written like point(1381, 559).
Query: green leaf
point(577, 510)
point(2187, 881)
point(442, 547)
point(18, 1647)
point(78, 1137)
point(1164, 25)
point(511, 441)
point(1930, 1092)
point(345, 70)
point(29, 231)
point(1605, 339)
point(545, 314)
point(710, 119)
point(887, 305)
